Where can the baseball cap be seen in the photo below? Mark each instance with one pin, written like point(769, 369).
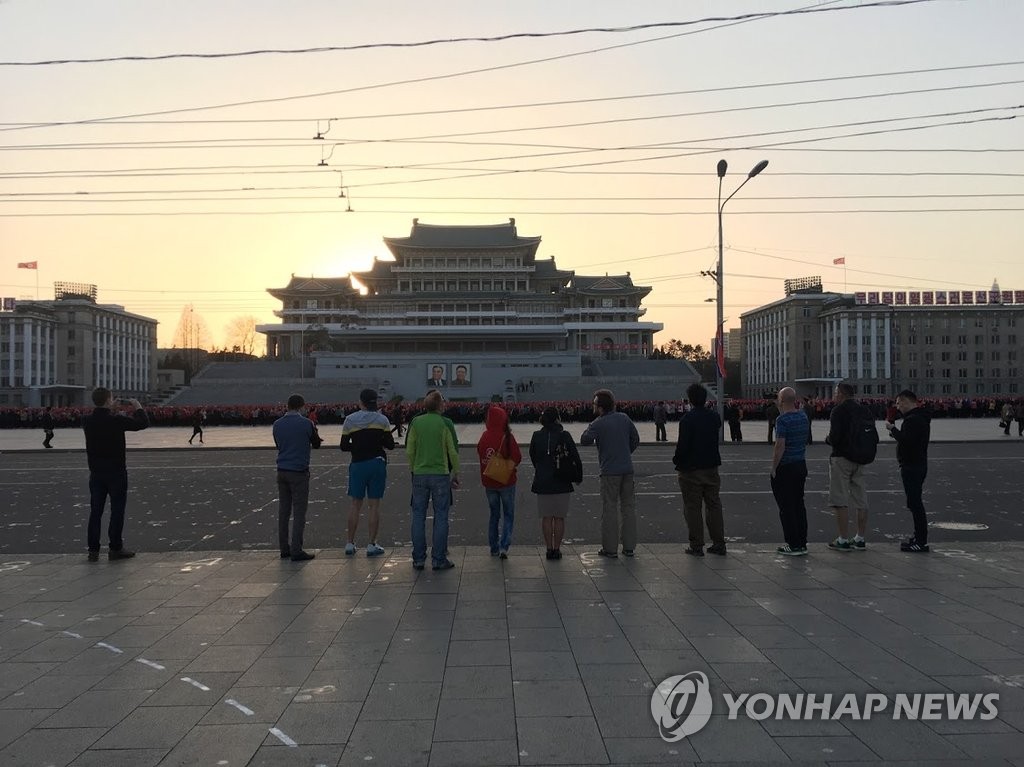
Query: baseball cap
point(369, 398)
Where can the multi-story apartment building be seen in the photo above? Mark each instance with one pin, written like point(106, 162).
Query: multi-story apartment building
point(939, 343)
point(54, 352)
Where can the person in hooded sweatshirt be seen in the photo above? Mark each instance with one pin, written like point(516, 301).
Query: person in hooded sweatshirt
point(912, 454)
point(501, 497)
point(552, 492)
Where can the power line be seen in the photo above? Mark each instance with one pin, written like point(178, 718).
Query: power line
point(410, 81)
point(476, 39)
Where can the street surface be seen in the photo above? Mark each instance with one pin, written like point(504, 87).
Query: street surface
point(206, 499)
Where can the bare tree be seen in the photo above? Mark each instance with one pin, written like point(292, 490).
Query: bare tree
point(192, 331)
point(241, 334)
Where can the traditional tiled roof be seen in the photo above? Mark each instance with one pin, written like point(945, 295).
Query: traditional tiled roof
point(311, 286)
point(441, 236)
point(607, 284)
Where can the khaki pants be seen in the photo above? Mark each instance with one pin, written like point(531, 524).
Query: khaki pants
point(700, 487)
point(617, 495)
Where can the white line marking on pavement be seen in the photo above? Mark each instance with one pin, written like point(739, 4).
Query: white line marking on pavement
point(194, 683)
point(283, 738)
point(72, 634)
point(110, 647)
point(34, 623)
point(150, 663)
point(240, 707)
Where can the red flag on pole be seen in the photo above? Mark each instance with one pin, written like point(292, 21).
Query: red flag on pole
point(28, 264)
point(838, 261)
point(720, 354)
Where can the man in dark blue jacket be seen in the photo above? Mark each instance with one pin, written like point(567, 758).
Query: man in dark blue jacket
point(108, 471)
point(697, 460)
point(912, 454)
point(294, 436)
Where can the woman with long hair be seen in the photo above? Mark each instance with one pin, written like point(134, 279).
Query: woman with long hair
point(550, 447)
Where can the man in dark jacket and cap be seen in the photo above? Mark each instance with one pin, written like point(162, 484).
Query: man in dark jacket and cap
point(912, 455)
point(697, 460)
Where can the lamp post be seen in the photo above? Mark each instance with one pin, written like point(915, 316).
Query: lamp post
point(720, 279)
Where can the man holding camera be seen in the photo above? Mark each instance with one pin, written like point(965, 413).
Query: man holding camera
point(108, 472)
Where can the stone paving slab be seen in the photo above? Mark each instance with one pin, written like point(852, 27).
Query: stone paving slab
point(240, 658)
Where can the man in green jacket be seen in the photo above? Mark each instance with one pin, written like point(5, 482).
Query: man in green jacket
point(434, 462)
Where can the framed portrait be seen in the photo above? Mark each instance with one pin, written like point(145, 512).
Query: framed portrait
point(437, 374)
point(462, 374)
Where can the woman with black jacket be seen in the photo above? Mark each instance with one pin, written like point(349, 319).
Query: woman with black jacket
point(548, 444)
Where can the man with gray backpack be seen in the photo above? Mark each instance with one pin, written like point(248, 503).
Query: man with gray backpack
point(854, 441)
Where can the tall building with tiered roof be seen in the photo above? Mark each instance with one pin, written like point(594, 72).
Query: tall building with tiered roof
point(471, 296)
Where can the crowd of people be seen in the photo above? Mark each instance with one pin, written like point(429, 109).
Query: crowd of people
point(431, 448)
point(737, 410)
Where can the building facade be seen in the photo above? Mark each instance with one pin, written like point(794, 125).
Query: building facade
point(474, 301)
point(55, 352)
point(884, 342)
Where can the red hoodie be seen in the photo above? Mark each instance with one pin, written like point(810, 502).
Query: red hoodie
point(496, 431)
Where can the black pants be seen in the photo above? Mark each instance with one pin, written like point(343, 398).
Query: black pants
point(101, 484)
point(660, 435)
point(913, 486)
point(293, 493)
point(1020, 427)
point(771, 432)
point(735, 432)
point(788, 489)
point(49, 436)
point(196, 430)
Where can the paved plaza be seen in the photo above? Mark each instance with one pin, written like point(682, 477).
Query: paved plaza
point(207, 649)
point(243, 659)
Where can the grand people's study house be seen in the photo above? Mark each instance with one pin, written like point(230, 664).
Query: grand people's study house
point(471, 306)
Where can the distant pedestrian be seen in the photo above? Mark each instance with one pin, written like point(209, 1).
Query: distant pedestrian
point(294, 436)
point(697, 460)
point(789, 473)
point(660, 419)
point(1006, 418)
point(616, 438)
point(733, 415)
point(197, 426)
point(551, 451)
point(47, 428)
point(1018, 414)
point(771, 414)
point(108, 469)
point(366, 434)
point(434, 461)
point(809, 412)
point(912, 454)
point(498, 439)
point(398, 419)
point(851, 427)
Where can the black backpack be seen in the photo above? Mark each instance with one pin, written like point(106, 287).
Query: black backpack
point(567, 468)
point(862, 440)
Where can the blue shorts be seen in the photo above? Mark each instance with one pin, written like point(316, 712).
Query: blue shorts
point(366, 479)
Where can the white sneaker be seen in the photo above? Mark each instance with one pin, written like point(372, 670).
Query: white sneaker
point(373, 550)
point(350, 549)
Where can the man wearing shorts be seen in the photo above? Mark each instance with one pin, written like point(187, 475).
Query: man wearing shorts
point(366, 434)
point(846, 489)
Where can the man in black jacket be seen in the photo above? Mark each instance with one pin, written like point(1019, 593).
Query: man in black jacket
point(697, 460)
point(846, 487)
point(912, 454)
point(47, 428)
point(108, 472)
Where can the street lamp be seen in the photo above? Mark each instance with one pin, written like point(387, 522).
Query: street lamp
point(720, 278)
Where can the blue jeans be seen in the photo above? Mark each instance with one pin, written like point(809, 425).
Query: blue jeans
point(496, 499)
point(432, 489)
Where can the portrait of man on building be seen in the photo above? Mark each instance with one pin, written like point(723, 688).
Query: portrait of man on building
point(463, 374)
point(437, 375)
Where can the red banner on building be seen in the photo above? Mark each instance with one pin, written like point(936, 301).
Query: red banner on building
point(873, 297)
point(940, 297)
point(928, 298)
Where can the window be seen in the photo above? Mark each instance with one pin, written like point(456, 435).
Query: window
point(996, 372)
point(961, 356)
point(979, 372)
point(929, 340)
point(912, 340)
point(995, 340)
point(947, 373)
point(997, 388)
point(929, 373)
point(947, 388)
point(912, 356)
point(946, 356)
point(929, 356)
point(995, 356)
point(962, 340)
point(1013, 387)
point(311, 303)
point(979, 322)
point(866, 389)
point(979, 356)
point(944, 340)
point(963, 388)
point(1011, 339)
point(979, 340)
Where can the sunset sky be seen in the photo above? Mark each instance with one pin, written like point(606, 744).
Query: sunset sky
point(199, 180)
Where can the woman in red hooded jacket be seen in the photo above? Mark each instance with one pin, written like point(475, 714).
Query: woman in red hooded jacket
point(498, 438)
